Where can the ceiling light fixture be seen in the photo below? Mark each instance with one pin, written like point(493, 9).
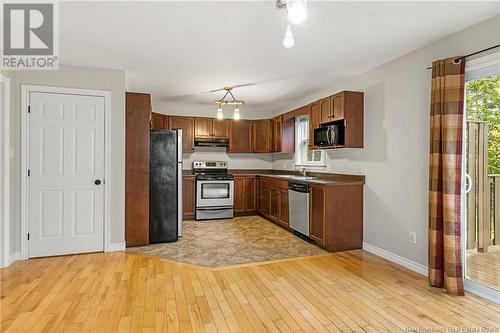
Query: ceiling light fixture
point(230, 101)
point(296, 10)
point(236, 115)
point(288, 38)
point(220, 113)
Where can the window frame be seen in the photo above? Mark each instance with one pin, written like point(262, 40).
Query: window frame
point(301, 145)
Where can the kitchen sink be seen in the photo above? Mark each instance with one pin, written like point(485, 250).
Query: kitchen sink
point(296, 177)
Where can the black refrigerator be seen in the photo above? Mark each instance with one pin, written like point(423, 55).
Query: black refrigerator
point(165, 186)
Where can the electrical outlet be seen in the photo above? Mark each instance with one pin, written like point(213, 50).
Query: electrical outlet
point(413, 237)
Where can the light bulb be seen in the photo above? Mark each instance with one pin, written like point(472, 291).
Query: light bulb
point(296, 10)
point(236, 114)
point(288, 38)
point(220, 113)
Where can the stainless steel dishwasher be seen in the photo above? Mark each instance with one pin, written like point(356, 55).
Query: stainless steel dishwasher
point(298, 196)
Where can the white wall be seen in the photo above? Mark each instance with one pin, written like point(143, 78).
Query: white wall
point(395, 157)
point(72, 77)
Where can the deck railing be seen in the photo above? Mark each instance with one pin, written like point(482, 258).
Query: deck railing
point(483, 197)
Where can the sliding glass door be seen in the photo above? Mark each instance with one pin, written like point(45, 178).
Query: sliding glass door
point(481, 214)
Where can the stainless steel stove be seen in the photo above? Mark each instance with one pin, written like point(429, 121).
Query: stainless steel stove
point(214, 190)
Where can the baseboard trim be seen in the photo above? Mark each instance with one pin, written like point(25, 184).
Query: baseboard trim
point(407, 263)
point(113, 247)
point(10, 259)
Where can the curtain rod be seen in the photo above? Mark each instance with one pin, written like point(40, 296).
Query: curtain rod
point(477, 52)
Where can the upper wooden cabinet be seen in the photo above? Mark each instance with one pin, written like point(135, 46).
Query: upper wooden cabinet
point(186, 124)
point(220, 128)
point(283, 135)
point(159, 121)
point(262, 136)
point(240, 136)
point(203, 127)
point(337, 105)
point(211, 128)
point(314, 120)
point(325, 110)
point(137, 118)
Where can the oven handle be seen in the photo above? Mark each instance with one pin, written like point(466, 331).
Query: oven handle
point(222, 208)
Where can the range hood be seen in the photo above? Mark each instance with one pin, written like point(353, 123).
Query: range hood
point(211, 142)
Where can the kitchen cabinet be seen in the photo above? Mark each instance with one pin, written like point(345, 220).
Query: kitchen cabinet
point(137, 125)
point(283, 135)
point(263, 196)
point(245, 191)
point(188, 197)
point(336, 216)
point(240, 136)
point(159, 121)
point(344, 109)
point(203, 127)
point(273, 200)
point(337, 104)
point(314, 120)
point(187, 126)
point(220, 128)
point(211, 128)
point(262, 136)
point(317, 214)
point(325, 110)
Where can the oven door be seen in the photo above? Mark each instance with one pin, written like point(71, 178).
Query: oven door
point(214, 193)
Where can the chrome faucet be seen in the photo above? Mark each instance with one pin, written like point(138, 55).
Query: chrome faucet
point(302, 171)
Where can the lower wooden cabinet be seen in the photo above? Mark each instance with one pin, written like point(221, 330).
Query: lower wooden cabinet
point(317, 214)
point(336, 216)
point(188, 197)
point(273, 200)
point(245, 194)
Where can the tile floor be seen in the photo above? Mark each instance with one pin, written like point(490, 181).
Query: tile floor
point(231, 242)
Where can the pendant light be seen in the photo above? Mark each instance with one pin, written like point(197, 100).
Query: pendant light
point(220, 113)
point(288, 37)
point(296, 11)
point(236, 115)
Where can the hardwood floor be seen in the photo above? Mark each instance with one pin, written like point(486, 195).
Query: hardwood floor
point(484, 268)
point(349, 291)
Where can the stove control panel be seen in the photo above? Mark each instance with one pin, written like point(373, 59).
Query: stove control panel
point(209, 165)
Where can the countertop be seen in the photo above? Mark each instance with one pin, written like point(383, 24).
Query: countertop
point(323, 178)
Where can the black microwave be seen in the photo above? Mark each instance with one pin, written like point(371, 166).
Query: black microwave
point(327, 136)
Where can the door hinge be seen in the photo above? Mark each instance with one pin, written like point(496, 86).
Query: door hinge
point(28, 236)
point(29, 109)
point(29, 172)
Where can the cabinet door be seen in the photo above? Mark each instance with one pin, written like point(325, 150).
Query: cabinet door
point(220, 128)
point(158, 121)
point(284, 207)
point(338, 107)
point(262, 136)
point(250, 194)
point(325, 110)
point(239, 194)
point(277, 134)
point(275, 207)
point(317, 213)
point(265, 198)
point(203, 127)
point(187, 126)
point(313, 121)
point(188, 198)
point(288, 136)
point(240, 136)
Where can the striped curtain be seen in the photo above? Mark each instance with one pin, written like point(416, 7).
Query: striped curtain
point(445, 175)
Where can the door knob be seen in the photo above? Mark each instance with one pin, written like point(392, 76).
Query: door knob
point(97, 182)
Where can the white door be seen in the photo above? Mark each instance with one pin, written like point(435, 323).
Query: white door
point(66, 162)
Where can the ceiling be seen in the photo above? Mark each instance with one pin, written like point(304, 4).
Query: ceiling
point(178, 51)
